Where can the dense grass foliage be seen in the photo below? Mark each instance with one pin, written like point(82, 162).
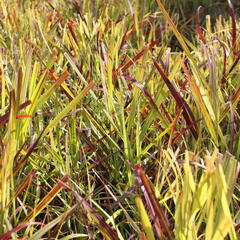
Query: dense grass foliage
point(119, 120)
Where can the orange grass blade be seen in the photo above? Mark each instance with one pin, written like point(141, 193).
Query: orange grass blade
point(5, 118)
point(136, 58)
point(47, 199)
point(63, 86)
point(24, 184)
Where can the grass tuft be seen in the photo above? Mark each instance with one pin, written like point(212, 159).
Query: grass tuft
point(119, 119)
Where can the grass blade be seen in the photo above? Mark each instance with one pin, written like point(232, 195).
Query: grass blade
point(8, 234)
point(47, 199)
point(159, 215)
point(187, 112)
point(145, 219)
point(68, 108)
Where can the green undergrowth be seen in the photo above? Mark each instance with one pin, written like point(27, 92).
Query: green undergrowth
point(116, 122)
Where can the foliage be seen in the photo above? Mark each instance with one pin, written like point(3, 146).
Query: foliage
point(113, 121)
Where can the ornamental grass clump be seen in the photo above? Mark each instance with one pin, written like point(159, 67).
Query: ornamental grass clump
point(118, 121)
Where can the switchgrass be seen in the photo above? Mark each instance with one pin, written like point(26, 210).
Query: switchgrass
point(110, 131)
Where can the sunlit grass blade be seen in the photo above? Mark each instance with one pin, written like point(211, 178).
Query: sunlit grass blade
point(198, 96)
point(174, 29)
point(205, 196)
point(48, 93)
point(68, 108)
point(144, 219)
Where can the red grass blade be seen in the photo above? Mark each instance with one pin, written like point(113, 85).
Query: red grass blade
point(7, 235)
point(200, 10)
point(184, 130)
point(162, 224)
point(223, 81)
point(234, 33)
point(70, 26)
point(135, 58)
point(187, 112)
point(174, 126)
point(23, 116)
point(21, 163)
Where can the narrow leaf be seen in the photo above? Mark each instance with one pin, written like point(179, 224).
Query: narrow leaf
point(159, 215)
point(47, 199)
point(187, 112)
point(8, 234)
